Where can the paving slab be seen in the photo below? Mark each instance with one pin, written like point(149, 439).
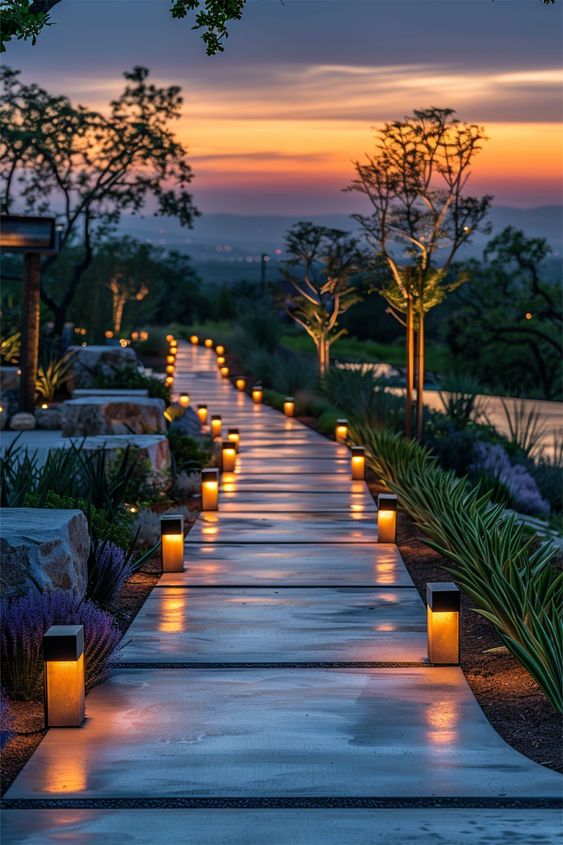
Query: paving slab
point(299, 482)
point(282, 732)
point(266, 467)
point(353, 527)
point(178, 625)
point(296, 502)
point(283, 827)
point(291, 565)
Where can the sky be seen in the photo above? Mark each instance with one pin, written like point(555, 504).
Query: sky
point(274, 124)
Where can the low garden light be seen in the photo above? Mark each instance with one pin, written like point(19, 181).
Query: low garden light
point(44, 406)
point(234, 436)
point(358, 463)
point(386, 518)
point(171, 359)
point(221, 360)
point(208, 343)
point(216, 425)
point(257, 394)
point(225, 371)
point(220, 350)
point(442, 615)
point(228, 456)
point(135, 336)
point(341, 431)
point(202, 413)
point(169, 381)
point(173, 346)
point(63, 657)
point(194, 339)
point(143, 335)
point(172, 542)
point(240, 383)
point(108, 334)
point(169, 337)
point(289, 406)
point(210, 489)
point(184, 400)
point(170, 369)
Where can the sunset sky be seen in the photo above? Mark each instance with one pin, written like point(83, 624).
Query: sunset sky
point(274, 123)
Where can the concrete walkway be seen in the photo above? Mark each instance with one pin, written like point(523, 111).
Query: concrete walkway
point(277, 690)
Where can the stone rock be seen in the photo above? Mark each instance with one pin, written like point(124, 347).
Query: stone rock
point(97, 415)
point(9, 378)
point(154, 453)
point(50, 418)
point(107, 359)
point(84, 392)
point(188, 423)
point(46, 547)
point(22, 421)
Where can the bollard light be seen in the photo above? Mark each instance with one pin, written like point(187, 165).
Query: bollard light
point(170, 369)
point(386, 518)
point(341, 431)
point(194, 339)
point(234, 436)
point(224, 371)
point(63, 656)
point(221, 360)
point(208, 343)
point(257, 394)
point(216, 425)
point(358, 463)
point(172, 542)
point(174, 344)
point(170, 359)
point(240, 383)
point(173, 351)
point(289, 406)
point(184, 399)
point(202, 413)
point(228, 456)
point(210, 489)
point(442, 614)
point(169, 337)
point(169, 381)
point(220, 350)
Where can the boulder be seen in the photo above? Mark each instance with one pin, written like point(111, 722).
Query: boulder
point(154, 454)
point(85, 392)
point(107, 359)
point(49, 418)
point(44, 547)
point(98, 415)
point(188, 423)
point(9, 378)
point(22, 421)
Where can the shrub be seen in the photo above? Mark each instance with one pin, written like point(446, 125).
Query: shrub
point(460, 399)
point(490, 460)
point(495, 559)
point(5, 725)
point(364, 398)
point(52, 374)
point(188, 453)
point(131, 378)
point(26, 620)
point(186, 485)
point(10, 349)
point(108, 568)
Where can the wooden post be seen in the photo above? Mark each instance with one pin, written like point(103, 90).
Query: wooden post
point(30, 330)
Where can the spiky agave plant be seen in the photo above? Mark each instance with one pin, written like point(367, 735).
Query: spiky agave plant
point(52, 374)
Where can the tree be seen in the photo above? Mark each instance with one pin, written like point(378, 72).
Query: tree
point(322, 264)
point(23, 19)
point(90, 168)
point(420, 218)
point(508, 323)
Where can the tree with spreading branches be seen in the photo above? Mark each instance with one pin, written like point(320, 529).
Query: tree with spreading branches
point(89, 168)
point(321, 269)
point(415, 183)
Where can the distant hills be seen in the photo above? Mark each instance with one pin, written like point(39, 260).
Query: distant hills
point(227, 247)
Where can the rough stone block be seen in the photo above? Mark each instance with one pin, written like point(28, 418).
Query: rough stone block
point(9, 378)
point(47, 546)
point(85, 392)
point(23, 422)
point(154, 452)
point(108, 359)
point(49, 418)
point(94, 416)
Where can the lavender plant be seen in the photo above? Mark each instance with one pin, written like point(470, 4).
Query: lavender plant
point(24, 622)
point(108, 568)
point(491, 460)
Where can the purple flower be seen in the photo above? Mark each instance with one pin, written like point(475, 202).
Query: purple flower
point(108, 568)
point(25, 620)
point(491, 459)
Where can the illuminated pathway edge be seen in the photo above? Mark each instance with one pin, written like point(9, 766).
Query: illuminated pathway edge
point(277, 691)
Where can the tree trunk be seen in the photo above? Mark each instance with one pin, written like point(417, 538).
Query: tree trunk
point(322, 352)
point(118, 306)
point(420, 376)
point(327, 357)
point(410, 369)
point(30, 330)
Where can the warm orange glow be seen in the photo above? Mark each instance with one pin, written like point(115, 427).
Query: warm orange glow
point(386, 526)
point(443, 718)
point(341, 432)
point(170, 369)
point(169, 337)
point(257, 395)
point(240, 383)
point(184, 399)
point(173, 615)
point(169, 381)
point(64, 773)
point(210, 495)
point(194, 339)
point(170, 359)
point(358, 467)
point(220, 360)
point(173, 348)
point(208, 343)
point(173, 552)
point(202, 413)
point(216, 426)
point(224, 372)
point(64, 692)
point(234, 437)
point(220, 350)
point(443, 637)
point(108, 334)
point(289, 408)
point(228, 457)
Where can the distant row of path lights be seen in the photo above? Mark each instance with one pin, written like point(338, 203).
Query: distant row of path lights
point(171, 363)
